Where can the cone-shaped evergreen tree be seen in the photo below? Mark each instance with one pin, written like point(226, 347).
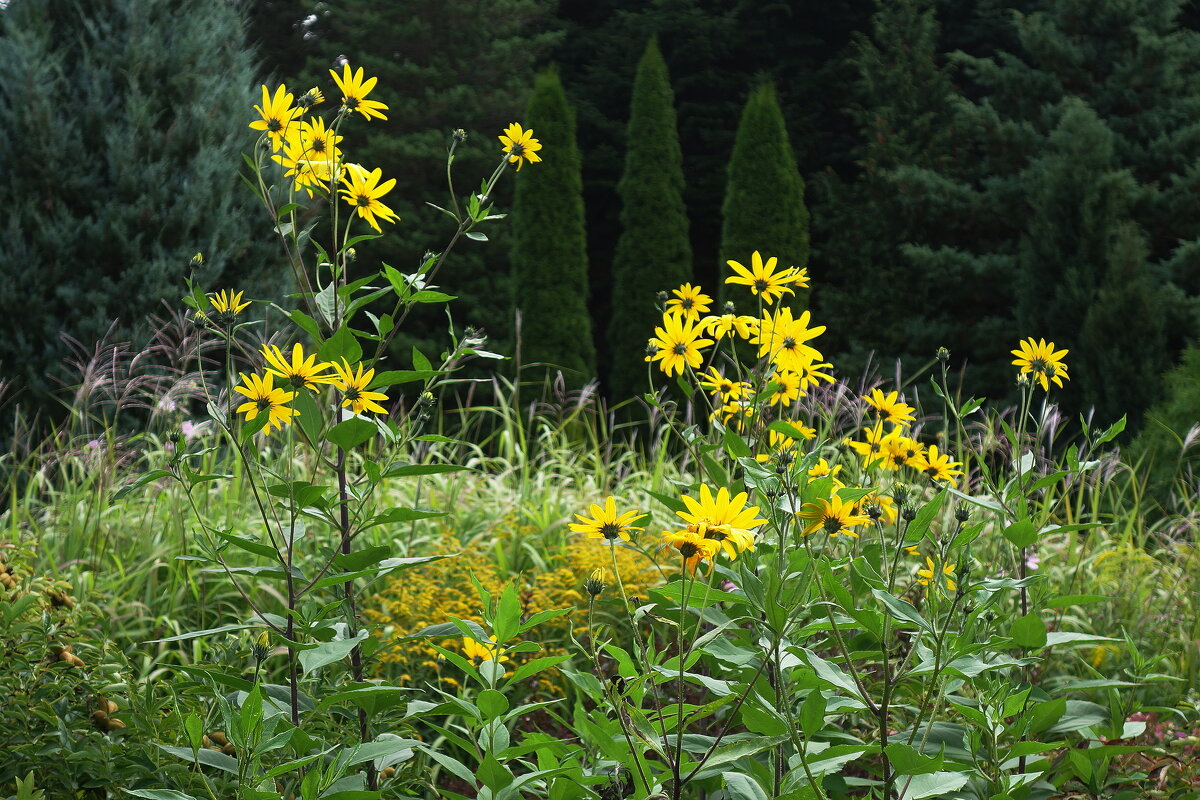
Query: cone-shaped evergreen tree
point(653, 253)
point(764, 198)
point(123, 140)
point(549, 253)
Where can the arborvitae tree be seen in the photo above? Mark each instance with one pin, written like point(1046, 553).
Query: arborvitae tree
point(653, 253)
point(124, 136)
point(549, 254)
point(764, 198)
point(441, 65)
point(1121, 353)
point(1165, 453)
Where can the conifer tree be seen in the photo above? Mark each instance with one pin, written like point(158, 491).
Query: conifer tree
point(123, 141)
point(653, 253)
point(549, 253)
point(764, 197)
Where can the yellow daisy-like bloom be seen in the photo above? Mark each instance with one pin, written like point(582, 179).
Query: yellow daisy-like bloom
point(689, 302)
point(835, 517)
point(721, 387)
point(873, 448)
point(606, 523)
point(520, 145)
point(310, 155)
point(810, 375)
point(300, 371)
point(787, 387)
point(722, 519)
point(782, 338)
point(1041, 361)
point(886, 506)
point(764, 280)
point(730, 324)
point(479, 652)
point(900, 451)
point(929, 575)
point(312, 97)
point(735, 413)
point(938, 466)
point(782, 443)
point(693, 547)
point(822, 470)
point(363, 190)
point(263, 396)
point(277, 114)
point(679, 344)
point(890, 407)
point(354, 388)
point(355, 91)
point(228, 303)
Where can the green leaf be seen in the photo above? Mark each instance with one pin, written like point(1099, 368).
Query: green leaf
point(351, 433)
point(925, 516)
point(209, 758)
point(309, 419)
point(140, 481)
point(1029, 631)
point(160, 794)
point(906, 760)
point(403, 470)
point(698, 596)
point(420, 362)
point(491, 703)
point(935, 784)
point(371, 699)
point(1112, 432)
point(328, 652)
point(1021, 533)
point(740, 786)
point(361, 559)
point(197, 634)
point(362, 237)
point(306, 323)
point(432, 297)
point(830, 673)
point(476, 235)
point(1068, 600)
point(812, 713)
point(533, 667)
point(398, 376)
point(341, 344)
point(902, 610)
point(250, 546)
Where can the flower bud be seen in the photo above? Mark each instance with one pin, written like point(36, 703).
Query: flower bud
point(908, 513)
point(594, 585)
point(459, 135)
point(942, 354)
point(962, 514)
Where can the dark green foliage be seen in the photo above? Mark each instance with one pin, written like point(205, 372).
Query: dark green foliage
point(764, 198)
point(866, 285)
point(123, 138)
point(549, 253)
point(1122, 355)
point(653, 253)
point(441, 65)
point(1165, 451)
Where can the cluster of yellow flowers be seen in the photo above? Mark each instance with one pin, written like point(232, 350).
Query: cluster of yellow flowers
point(303, 372)
point(307, 148)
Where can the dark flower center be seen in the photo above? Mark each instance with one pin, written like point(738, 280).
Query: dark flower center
point(362, 201)
point(351, 102)
point(353, 393)
point(679, 349)
point(761, 285)
point(715, 535)
point(686, 303)
point(517, 149)
point(263, 403)
point(274, 125)
point(832, 525)
point(610, 530)
point(688, 549)
point(789, 343)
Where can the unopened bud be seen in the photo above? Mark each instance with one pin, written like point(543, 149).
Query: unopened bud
point(909, 513)
point(943, 355)
point(962, 514)
point(594, 585)
point(459, 135)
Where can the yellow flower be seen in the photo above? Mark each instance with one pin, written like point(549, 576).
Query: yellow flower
point(312, 97)
point(363, 190)
point(355, 91)
point(479, 652)
point(606, 523)
point(938, 466)
point(301, 371)
point(692, 547)
point(810, 375)
point(929, 575)
point(354, 388)
point(263, 395)
point(520, 145)
point(689, 302)
point(729, 324)
point(779, 443)
point(885, 504)
point(902, 451)
point(787, 387)
point(822, 470)
point(1041, 361)
point(721, 387)
point(739, 412)
point(722, 519)
point(310, 155)
point(782, 339)
point(833, 516)
point(679, 344)
point(228, 304)
point(277, 114)
point(889, 407)
point(874, 447)
point(763, 279)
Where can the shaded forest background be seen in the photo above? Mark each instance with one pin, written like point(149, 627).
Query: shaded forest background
point(959, 173)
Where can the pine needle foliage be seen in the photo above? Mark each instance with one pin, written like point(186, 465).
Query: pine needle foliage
point(549, 254)
point(653, 253)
